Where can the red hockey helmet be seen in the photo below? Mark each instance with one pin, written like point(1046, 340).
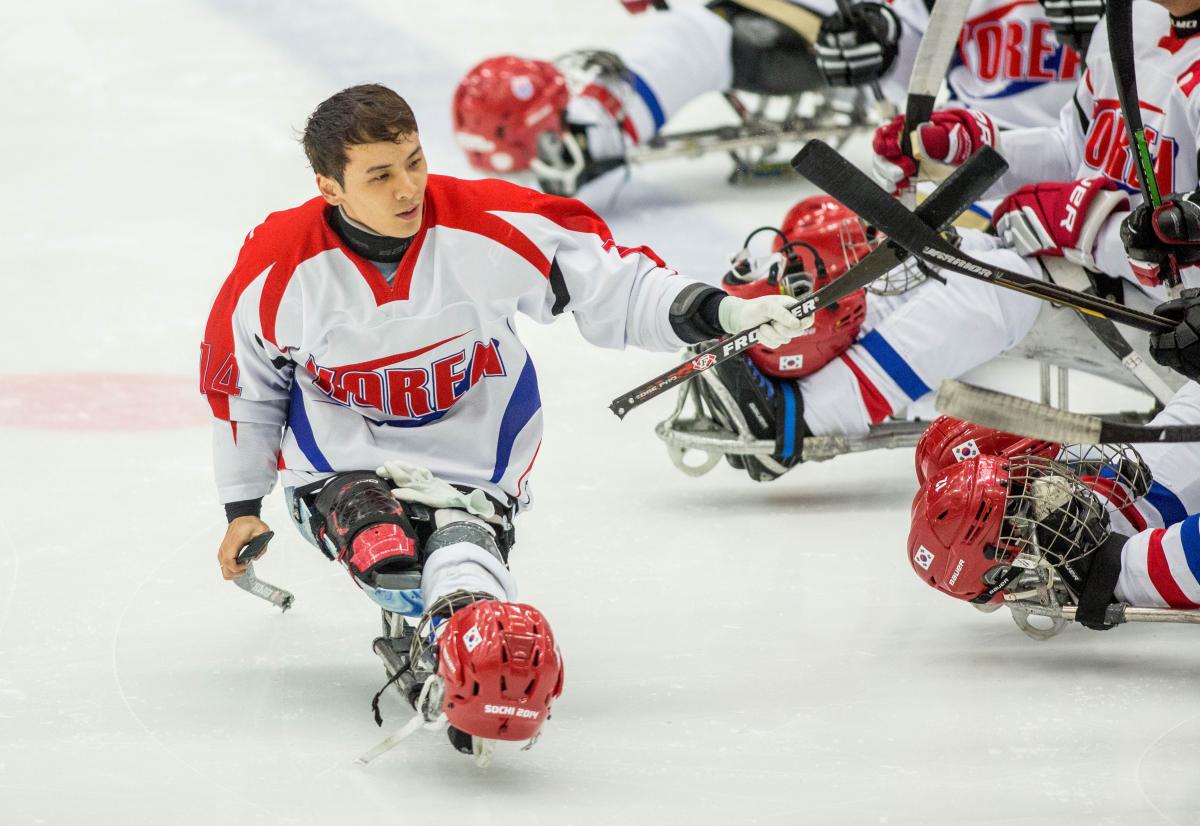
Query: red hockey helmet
point(839, 240)
point(979, 524)
point(501, 668)
point(501, 107)
point(957, 520)
point(948, 440)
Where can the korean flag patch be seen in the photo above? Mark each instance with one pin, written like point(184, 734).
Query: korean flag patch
point(472, 638)
point(967, 450)
point(923, 557)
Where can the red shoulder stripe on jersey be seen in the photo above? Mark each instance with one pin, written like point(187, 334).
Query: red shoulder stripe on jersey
point(1160, 573)
point(272, 248)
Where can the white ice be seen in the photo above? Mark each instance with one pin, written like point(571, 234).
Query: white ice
point(735, 653)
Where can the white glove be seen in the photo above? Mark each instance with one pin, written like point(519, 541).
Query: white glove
point(769, 313)
point(416, 484)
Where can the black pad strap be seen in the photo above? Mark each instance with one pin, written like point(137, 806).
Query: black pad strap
point(1101, 583)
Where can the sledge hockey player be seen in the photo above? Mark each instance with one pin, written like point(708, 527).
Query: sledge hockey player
point(1051, 525)
point(363, 350)
point(510, 113)
point(940, 331)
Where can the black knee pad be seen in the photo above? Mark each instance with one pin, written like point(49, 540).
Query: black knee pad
point(352, 502)
point(769, 57)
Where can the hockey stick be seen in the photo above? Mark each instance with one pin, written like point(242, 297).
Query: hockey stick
point(251, 584)
point(1119, 14)
point(929, 68)
point(1027, 418)
point(942, 206)
point(821, 164)
point(1064, 273)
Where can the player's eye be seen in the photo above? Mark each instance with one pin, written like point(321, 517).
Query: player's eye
point(383, 176)
point(415, 163)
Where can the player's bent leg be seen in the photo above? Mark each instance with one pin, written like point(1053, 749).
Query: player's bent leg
point(941, 332)
point(770, 57)
point(749, 403)
point(462, 554)
point(366, 529)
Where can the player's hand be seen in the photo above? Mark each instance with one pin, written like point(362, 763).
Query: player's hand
point(1073, 21)
point(947, 140)
point(1059, 219)
point(239, 532)
point(1152, 236)
point(769, 313)
point(1180, 348)
point(858, 50)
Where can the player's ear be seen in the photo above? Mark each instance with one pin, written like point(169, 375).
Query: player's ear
point(330, 190)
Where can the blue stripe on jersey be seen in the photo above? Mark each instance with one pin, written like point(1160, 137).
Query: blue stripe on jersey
point(1166, 503)
point(1014, 88)
point(297, 421)
point(788, 390)
point(651, 101)
point(979, 210)
point(1189, 535)
point(524, 403)
point(894, 365)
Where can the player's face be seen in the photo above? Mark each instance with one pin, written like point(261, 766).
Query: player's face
point(385, 185)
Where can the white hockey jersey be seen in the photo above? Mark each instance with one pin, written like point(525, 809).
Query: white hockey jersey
point(1160, 563)
point(1008, 63)
point(309, 337)
point(1090, 138)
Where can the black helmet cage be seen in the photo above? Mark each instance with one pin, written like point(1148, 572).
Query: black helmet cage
point(1051, 518)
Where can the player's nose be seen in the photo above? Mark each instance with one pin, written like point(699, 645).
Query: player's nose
point(406, 187)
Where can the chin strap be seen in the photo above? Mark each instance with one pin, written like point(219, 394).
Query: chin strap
point(1101, 583)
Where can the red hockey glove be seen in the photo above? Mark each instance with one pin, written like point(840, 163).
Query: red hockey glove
point(1058, 218)
point(949, 138)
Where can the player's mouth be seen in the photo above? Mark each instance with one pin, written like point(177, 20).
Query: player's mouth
point(410, 214)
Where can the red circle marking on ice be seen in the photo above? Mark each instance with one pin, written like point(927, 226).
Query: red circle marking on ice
point(93, 402)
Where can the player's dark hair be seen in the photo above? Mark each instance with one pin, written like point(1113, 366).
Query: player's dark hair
point(369, 113)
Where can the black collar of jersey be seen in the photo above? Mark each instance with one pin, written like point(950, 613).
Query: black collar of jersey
point(385, 249)
point(1186, 26)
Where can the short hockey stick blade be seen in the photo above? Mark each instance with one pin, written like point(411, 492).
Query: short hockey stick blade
point(1015, 415)
point(1027, 418)
point(825, 167)
point(932, 60)
point(943, 205)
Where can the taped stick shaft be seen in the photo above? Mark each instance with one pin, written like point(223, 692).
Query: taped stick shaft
point(1028, 418)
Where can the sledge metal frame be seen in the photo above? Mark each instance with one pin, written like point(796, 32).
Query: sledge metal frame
point(755, 140)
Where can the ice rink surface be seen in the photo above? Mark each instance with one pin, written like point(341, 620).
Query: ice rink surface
point(735, 653)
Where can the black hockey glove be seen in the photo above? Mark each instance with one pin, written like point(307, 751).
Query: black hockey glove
point(1151, 236)
point(858, 50)
point(1180, 348)
point(1073, 21)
